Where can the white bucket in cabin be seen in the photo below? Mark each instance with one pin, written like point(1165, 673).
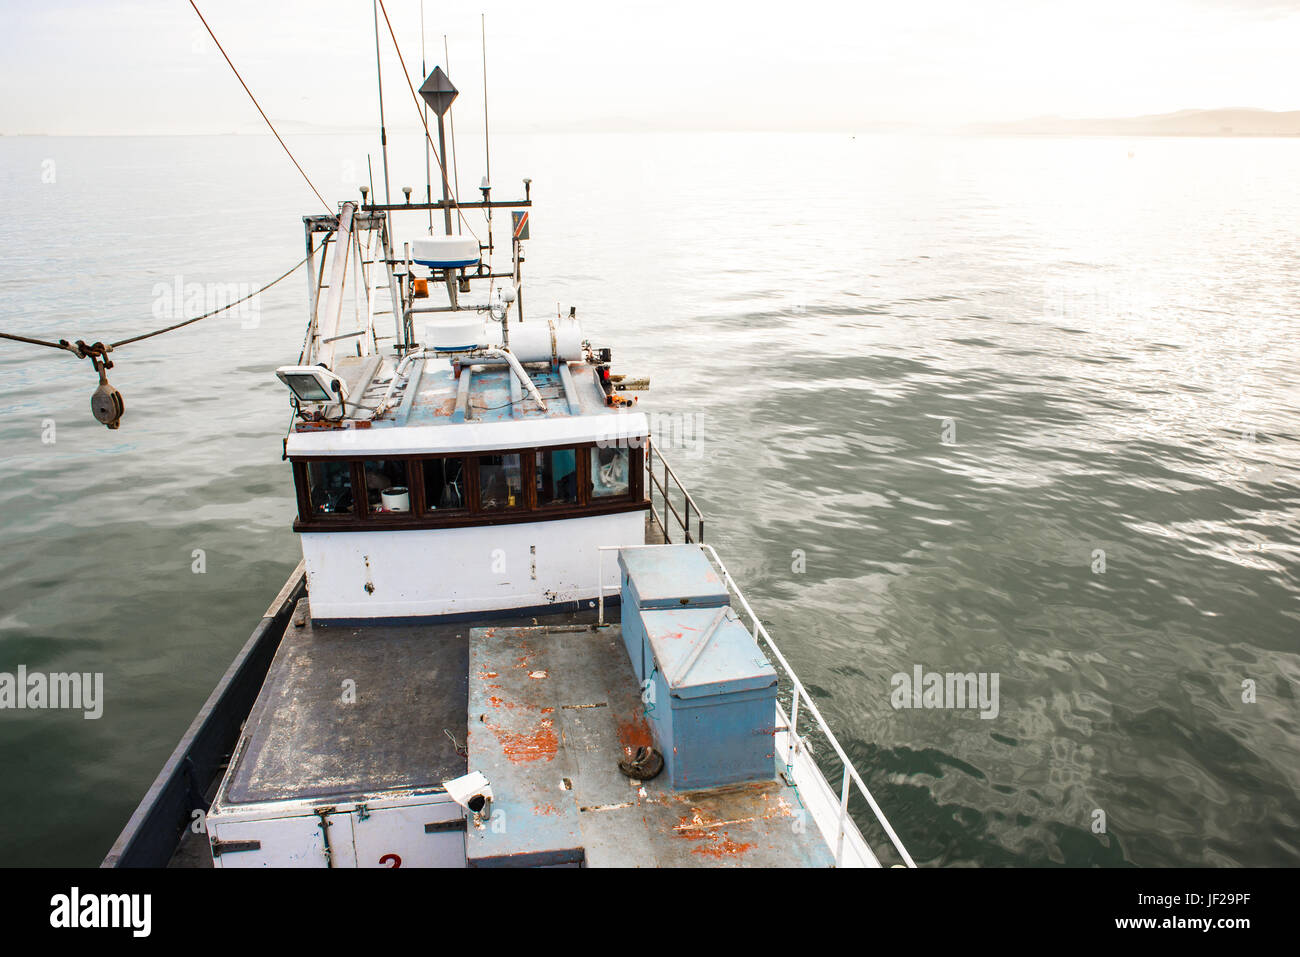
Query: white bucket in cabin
point(396, 498)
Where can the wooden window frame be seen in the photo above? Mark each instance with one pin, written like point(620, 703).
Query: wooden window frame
point(419, 517)
point(525, 481)
point(635, 477)
point(467, 472)
point(303, 480)
point(579, 478)
point(359, 469)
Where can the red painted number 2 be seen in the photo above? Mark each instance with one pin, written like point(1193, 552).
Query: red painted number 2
point(390, 860)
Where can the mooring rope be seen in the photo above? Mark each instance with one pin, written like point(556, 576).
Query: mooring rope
point(81, 350)
point(63, 344)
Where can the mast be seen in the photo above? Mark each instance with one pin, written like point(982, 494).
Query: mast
point(438, 92)
point(442, 151)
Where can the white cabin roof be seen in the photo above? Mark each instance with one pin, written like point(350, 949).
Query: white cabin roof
point(435, 411)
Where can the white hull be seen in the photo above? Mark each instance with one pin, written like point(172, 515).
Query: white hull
point(450, 571)
point(369, 831)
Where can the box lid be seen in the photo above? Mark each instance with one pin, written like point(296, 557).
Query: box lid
point(704, 652)
point(672, 576)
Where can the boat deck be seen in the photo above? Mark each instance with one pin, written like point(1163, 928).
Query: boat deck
point(339, 706)
point(544, 707)
point(552, 710)
point(301, 740)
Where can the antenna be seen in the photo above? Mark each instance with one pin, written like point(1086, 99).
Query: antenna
point(383, 133)
point(428, 170)
point(487, 149)
point(455, 167)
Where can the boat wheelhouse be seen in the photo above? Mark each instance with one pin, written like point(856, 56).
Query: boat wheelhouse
point(496, 651)
point(470, 496)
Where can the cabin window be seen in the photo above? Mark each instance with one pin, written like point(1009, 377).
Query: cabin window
point(388, 486)
point(330, 487)
point(444, 484)
point(454, 490)
point(500, 482)
point(609, 471)
point(556, 472)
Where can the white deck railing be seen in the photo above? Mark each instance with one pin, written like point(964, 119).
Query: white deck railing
point(800, 694)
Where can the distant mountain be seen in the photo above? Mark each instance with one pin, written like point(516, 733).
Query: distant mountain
point(1239, 121)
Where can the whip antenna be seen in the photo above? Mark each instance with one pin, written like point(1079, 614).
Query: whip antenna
point(428, 170)
point(455, 167)
point(487, 149)
point(383, 133)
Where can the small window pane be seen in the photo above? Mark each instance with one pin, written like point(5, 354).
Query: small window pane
point(387, 486)
point(557, 477)
point(609, 472)
point(500, 482)
point(330, 485)
point(444, 484)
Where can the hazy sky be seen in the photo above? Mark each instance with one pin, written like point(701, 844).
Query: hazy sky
point(147, 66)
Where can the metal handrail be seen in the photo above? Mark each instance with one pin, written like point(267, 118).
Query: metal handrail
point(801, 693)
point(850, 773)
point(664, 487)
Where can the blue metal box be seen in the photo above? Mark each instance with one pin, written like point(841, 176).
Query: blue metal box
point(713, 709)
point(666, 576)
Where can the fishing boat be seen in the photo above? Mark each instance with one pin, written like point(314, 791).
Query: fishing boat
point(507, 643)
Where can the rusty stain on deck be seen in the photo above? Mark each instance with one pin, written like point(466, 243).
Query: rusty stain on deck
point(745, 806)
point(635, 733)
point(532, 745)
point(565, 724)
point(712, 833)
point(725, 847)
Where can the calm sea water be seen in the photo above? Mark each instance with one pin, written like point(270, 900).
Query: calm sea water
point(1024, 406)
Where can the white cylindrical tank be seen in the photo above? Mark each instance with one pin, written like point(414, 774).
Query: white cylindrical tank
point(542, 341)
